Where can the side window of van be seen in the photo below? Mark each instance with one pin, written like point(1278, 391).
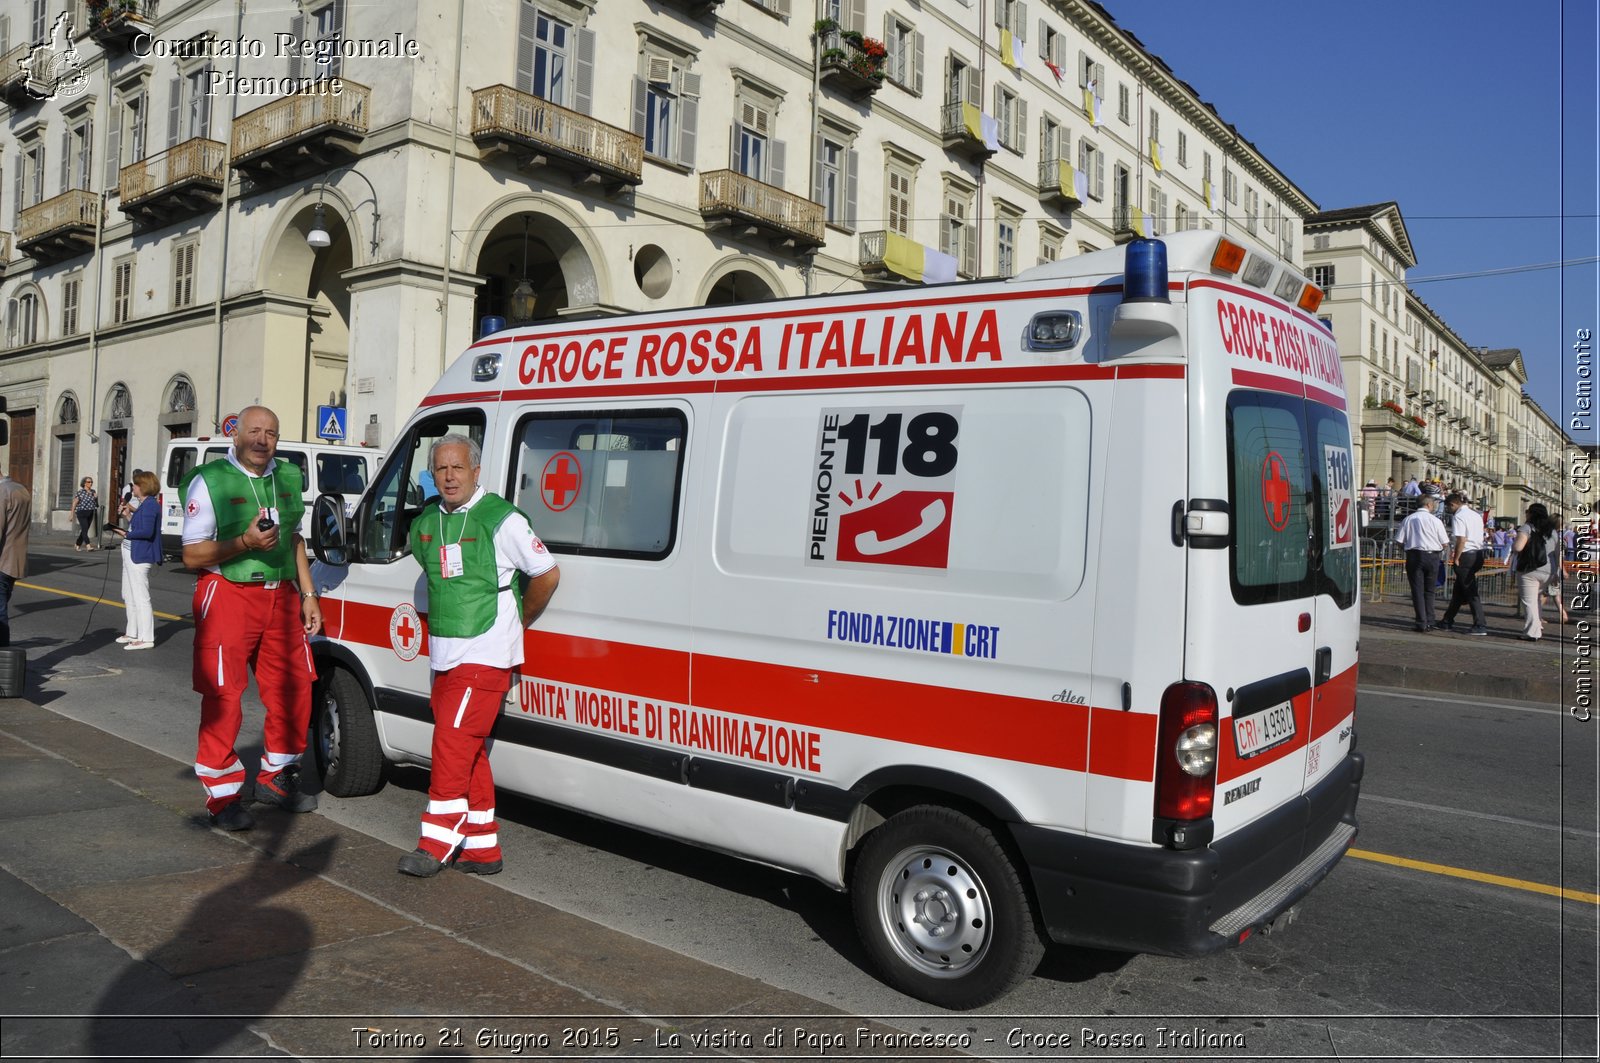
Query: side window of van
point(405, 484)
point(601, 482)
point(178, 465)
point(341, 474)
point(1270, 496)
point(298, 460)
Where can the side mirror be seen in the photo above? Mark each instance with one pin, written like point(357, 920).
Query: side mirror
point(330, 536)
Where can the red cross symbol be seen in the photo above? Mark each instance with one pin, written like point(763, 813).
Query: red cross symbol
point(561, 478)
point(1275, 491)
point(405, 631)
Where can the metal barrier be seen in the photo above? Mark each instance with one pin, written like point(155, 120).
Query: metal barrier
point(1383, 576)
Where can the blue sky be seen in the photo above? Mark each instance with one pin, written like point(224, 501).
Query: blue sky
point(1464, 113)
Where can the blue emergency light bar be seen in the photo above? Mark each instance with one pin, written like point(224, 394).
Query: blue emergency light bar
point(1144, 272)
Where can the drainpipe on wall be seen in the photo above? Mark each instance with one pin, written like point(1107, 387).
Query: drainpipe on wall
point(450, 190)
point(808, 271)
point(227, 215)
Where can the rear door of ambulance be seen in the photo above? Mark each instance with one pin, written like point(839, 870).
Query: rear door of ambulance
point(1271, 617)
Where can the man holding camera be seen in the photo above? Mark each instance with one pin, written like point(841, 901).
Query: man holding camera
point(254, 605)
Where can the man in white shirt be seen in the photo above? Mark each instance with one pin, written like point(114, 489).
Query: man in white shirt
point(1466, 529)
point(1422, 535)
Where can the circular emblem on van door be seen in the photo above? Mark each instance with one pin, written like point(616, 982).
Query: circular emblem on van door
point(560, 481)
point(405, 632)
point(1275, 497)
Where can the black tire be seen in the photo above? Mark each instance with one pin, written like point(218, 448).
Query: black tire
point(942, 910)
point(345, 737)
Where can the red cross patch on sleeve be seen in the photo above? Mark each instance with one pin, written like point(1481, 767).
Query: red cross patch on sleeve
point(194, 507)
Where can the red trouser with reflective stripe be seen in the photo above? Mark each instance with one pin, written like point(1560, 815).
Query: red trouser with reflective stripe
point(239, 627)
point(466, 703)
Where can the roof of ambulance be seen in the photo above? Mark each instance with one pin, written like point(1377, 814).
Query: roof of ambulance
point(1187, 252)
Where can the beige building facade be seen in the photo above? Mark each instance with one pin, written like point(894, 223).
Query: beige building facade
point(205, 204)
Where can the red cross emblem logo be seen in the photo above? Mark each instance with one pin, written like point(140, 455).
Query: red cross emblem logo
point(1275, 491)
point(560, 480)
point(194, 507)
point(405, 632)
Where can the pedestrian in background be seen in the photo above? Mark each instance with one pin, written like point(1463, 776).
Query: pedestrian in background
point(16, 522)
point(141, 548)
point(1422, 536)
point(1466, 553)
point(254, 606)
point(471, 545)
point(1535, 544)
point(84, 505)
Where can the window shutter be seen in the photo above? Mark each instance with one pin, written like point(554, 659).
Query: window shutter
point(1099, 73)
point(5, 34)
point(949, 73)
point(136, 149)
point(641, 100)
point(1083, 70)
point(1044, 41)
point(174, 109)
point(66, 470)
point(658, 69)
point(297, 31)
point(775, 164)
point(916, 63)
point(66, 159)
point(1019, 20)
point(893, 61)
point(855, 15)
point(783, 8)
point(584, 94)
point(852, 170)
point(817, 149)
point(526, 44)
point(113, 153)
point(86, 155)
point(1021, 123)
point(1099, 174)
point(947, 231)
point(688, 116)
point(733, 148)
point(1000, 13)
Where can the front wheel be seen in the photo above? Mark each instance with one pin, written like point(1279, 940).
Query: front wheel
point(345, 737)
point(942, 909)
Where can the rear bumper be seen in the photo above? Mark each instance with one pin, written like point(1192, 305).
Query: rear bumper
point(1113, 895)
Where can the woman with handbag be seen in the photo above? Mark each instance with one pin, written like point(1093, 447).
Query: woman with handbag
point(1531, 553)
point(84, 504)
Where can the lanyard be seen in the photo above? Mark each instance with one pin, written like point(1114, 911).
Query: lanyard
point(272, 484)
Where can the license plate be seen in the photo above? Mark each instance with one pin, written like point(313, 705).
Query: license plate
point(1260, 731)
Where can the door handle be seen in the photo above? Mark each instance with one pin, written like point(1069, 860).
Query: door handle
point(1324, 664)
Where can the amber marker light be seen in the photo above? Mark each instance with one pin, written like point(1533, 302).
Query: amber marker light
point(1228, 257)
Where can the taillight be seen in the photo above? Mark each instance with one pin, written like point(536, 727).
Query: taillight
point(1187, 762)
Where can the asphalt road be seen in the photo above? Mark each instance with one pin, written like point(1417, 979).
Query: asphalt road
point(1438, 938)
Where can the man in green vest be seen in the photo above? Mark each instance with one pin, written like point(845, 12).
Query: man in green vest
point(471, 546)
point(254, 607)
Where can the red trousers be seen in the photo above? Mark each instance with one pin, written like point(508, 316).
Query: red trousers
point(243, 627)
point(466, 703)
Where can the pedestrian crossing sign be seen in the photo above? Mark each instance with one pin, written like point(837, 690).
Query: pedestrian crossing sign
point(330, 421)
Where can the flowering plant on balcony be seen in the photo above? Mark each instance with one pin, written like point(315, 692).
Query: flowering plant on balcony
point(1390, 404)
point(1418, 421)
point(108, 10)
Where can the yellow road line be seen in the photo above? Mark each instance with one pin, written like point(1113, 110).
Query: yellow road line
point(1476, 876)
point(92, 598)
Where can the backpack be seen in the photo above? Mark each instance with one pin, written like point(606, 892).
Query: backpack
point(1535, 555)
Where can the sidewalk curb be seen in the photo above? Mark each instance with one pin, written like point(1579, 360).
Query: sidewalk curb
point(1441, 681)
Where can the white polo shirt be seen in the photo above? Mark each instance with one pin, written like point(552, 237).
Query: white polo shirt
point(516, 549)
point(1467, 524)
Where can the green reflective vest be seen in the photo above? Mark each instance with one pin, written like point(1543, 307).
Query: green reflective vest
point(465, 605)
point(238, 500)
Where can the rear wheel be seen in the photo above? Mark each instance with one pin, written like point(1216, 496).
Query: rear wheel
point(942, 909)
point(346, 738)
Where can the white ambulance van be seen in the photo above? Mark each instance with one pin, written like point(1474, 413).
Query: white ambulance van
point(325, 468)
point(1023, 610)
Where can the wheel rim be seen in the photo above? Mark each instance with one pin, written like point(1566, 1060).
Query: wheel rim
point(328, 731)
point(935, 911)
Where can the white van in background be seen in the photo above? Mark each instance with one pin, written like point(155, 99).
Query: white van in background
point(324, 469)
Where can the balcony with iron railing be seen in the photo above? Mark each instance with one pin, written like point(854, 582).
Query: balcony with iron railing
point(307, 132)
point(59, 228)
point(850, 62)
point(14, 78)
point(755, 208)
point(1058, 183)
point(184, 180)
point(115, 23)
point(535, 132)
point(1127, 222)
point(962, 126)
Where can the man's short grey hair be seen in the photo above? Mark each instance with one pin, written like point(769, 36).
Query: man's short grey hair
point(474, 452)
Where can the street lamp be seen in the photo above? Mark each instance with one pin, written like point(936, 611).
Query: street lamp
point(521, 304)
point(318, 238)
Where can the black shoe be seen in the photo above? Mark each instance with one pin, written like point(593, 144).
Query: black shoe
point(283, 790)
point(1479, 631)
point(421, 863)
point(479, 867)
point(1448, 625)
point(234, 816)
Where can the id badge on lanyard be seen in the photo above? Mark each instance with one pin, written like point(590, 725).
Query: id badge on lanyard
point(450, 560)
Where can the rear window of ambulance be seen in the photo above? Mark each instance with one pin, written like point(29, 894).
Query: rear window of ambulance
point(1270, 485)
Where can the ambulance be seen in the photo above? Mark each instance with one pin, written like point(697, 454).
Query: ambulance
point(1025, 611)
